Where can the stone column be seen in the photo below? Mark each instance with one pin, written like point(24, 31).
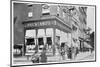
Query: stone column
point(54, 41)
point(36, 39)
point(45, 39)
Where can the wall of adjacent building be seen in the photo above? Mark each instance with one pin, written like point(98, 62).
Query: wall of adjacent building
point(36, 10)
point(20, 14)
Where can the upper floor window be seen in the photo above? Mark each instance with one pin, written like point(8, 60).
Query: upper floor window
point(45, 10)
point(58, 10)
point(30, 13)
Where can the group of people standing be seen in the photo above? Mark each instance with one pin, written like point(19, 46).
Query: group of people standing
point(70, 52)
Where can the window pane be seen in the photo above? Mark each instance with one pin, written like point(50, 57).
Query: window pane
point(45, 10)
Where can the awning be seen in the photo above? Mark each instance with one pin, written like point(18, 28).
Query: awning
point(30, 33)
point(80, 38)
point(41, 33)
point(49, 31)
point(87, 45)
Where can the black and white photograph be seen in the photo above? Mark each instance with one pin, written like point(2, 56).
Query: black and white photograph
point(52, 33)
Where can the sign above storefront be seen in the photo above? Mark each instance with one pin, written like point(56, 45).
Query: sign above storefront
point(47, 23)
point(37, 24)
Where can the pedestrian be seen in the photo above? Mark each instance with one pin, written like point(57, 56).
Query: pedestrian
point(63, 53)
point(70, 53)
point(77, 51)
point(35, 58)
point(43, 56)
point(74, 52)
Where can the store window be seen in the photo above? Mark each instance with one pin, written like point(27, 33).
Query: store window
point(49, 42)
point(63, 37)
point(58, 36)
point(40, 41)
point(49, 37)
point(30, 38)
point(30, 45)
point(40, 44)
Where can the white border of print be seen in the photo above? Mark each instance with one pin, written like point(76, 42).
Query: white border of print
point(12, 41)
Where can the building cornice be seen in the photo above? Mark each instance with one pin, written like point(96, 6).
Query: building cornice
point(47, 18)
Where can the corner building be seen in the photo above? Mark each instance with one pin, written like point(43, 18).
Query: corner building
point(46, 25)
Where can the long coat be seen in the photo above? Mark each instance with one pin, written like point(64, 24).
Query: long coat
point(43, 57)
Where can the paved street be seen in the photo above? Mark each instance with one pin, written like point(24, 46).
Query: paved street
point(82, 56)
point(89, 57)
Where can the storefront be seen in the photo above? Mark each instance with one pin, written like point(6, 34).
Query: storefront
point(49, 32)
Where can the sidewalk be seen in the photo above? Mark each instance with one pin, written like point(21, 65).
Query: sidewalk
point(83, 55)
point(57, 58)
point(21, 61)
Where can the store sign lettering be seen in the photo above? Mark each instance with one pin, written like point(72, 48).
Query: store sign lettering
point(37, 24)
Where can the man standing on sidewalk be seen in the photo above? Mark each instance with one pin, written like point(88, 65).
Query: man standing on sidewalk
point(70, 53)
point(43, 56)
point(63, 53)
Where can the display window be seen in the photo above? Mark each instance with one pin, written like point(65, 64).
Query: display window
point(30, 45)
point(49, 43)
point(30, 38)
point(40, 44)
